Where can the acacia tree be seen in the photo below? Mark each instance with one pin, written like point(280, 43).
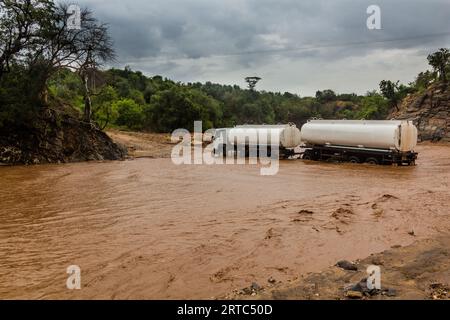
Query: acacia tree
point(252, 82)
point(22, 26)
point(390, 91)
point(440, 61)
point(82, 50)
point(35, 34)
point(96, 48)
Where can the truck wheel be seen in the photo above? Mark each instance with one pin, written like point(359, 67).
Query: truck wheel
point(287, 153)
point(354, 160)
point(372, 161)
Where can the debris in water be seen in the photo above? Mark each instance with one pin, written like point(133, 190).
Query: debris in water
point(305, 212)
point(347, 265)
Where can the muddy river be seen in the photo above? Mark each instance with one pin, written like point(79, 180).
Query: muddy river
point(147, 229)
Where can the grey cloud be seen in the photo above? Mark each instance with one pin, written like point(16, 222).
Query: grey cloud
point(194, 40)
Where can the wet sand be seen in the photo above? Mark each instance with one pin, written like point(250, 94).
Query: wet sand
point(147, 229)
point(143, 145)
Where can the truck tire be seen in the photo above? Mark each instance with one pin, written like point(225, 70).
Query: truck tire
point(308, 155)
point(287, 153)
point(354, 159)
point(372, 161)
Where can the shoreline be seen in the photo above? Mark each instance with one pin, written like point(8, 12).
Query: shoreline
point(142, 145)
point(420, 271)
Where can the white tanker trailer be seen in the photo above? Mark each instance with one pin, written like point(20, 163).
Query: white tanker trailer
point(252, 138)
point(374, 142)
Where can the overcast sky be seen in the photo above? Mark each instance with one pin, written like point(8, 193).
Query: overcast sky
point(299, 46)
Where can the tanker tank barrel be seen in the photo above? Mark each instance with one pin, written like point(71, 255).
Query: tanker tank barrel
point(370, 141)
point(357, 141)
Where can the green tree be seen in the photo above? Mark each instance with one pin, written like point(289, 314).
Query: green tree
point(137, 96)
point(129, 114)
point(423, 80)
point(374, 107)
point(326, 96)
point(179, 107)
point(390, 91)
point(439, 61)
point(66, 85)
point(105, 107)
point(23, 27)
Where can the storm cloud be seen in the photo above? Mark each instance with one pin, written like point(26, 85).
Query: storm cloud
point(294, 45)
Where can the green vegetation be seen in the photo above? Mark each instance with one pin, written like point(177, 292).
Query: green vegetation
point(41, 61)
point(130, 100)
point(440, 61)
point(394, 92)
point(38, 48)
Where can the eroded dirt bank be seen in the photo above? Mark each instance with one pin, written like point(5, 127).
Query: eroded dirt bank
point(56, 136)
point(149, 229)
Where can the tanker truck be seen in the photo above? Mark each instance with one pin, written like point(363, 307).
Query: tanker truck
point(360, 141)
point(252, 138)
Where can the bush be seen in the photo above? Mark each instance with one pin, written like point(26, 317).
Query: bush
point(129, 114)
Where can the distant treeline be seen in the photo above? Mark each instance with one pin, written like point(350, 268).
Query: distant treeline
point(129, 99)
point(44, 63)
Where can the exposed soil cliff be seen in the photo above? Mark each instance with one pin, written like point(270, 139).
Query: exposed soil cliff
point(56, 135)
point(430, 111)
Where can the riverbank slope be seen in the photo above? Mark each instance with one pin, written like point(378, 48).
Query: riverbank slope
point(57, 135)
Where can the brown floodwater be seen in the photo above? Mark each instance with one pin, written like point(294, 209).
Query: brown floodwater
point(147, 229)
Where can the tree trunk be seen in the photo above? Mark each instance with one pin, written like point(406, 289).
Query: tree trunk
point(43, 96)
point(87, 109)
point(87, 100)
point(106, 122)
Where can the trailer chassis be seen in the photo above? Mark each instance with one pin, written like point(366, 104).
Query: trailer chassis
point(223, 150)
point(359, 155)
